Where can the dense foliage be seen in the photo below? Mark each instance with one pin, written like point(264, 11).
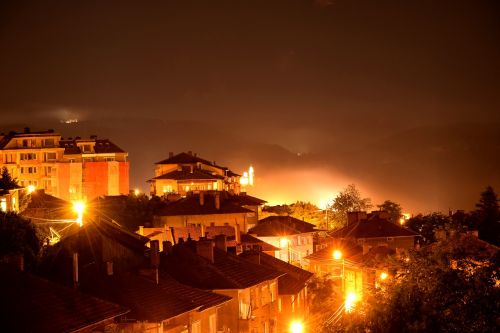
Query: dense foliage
point(18, 237)
point(450, 286)
point(348, 200)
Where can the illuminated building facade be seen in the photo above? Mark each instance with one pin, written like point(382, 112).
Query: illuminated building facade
point(71, 169)
point(186, 172)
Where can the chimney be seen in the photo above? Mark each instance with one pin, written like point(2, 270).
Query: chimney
point(205, 249)
point(167, 247)
point(191, 168)
point(355, 217)
point(190, 153)
point(155, 254)
point(220, 242)
point(172, 234)
point(202, 201)
point(170, 154)
point(75, 269)
point(109, 268)
point(141, 230)
point(237, 234)
point(202, 231)
point(217, 200)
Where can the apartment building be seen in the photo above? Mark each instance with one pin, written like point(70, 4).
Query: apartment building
point(186, 172)
point(71, 169)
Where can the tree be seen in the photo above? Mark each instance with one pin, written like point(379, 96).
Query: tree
point(6, 180)
point(450, 287)
point(394, 210)
point(489, 216)
point(18, 237)
point(426, 225)
point(348, 200)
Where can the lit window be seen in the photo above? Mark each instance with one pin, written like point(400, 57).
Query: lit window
point(3, 205)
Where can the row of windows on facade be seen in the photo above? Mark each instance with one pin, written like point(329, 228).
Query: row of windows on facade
point(34, 143)
point(48, 157)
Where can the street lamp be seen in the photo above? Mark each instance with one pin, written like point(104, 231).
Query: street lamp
point(296, 327)
point(79, 208)
point(383, 276)
point(285, 242)
point(31, 188)
point(337, 255)
point(350, 301)
point(137, 192)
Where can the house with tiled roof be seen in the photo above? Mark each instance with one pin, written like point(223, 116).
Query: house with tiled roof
point(292, 236)
point(33, 304)
point(71, 168)
point(206, 264)
point(293, 302)
point(186, 172)
point(105, 260)
point(240, 241)
point(374, 229)
point(207, 209)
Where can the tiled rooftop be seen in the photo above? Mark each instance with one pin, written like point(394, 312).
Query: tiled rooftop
point(280, 226)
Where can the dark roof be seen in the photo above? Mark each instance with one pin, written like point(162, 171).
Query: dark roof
point(281, 225)
point(373, 228)
point(244, 199)
point(250, 240)
point(46, 206)
point(147, 300)
point(32, 304)
point(191, 206)
point(186, 174)
point(294, 278)
point(185, 158)
point(101, 146)
point(228, 271)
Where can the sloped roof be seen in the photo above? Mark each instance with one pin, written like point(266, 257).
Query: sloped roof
point(191, 206)
point(186, 174)
point(43, 205)
point(372, 228)
point(228, 271)
point(32, 304)
point(185, 158)
point(147, 300)
point(247, 239)
point(101, 146)
point(280, 226)
point(244, 199)
point(294, 278)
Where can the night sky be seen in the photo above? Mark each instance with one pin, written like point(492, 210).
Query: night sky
point(401, 98)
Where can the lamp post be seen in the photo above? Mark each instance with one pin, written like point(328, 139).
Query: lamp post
point(286, 242)
point(338, 255)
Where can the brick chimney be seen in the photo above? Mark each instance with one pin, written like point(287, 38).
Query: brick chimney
point(220, 242)
point(170, 154)
point(217, 200)
point(167, 247)
point(205, 248)
point(237, 233)
point(155, 253)
point(355, 217)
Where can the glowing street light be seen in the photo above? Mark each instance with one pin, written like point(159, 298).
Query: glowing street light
point(337, 254)
point(296, 327)
point(79, 208)
point(350, 301)
point(31, 189)
point(284, 242)
point(383, 276)
point(136, 192)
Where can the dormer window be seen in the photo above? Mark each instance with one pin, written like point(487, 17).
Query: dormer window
point(86, 148)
